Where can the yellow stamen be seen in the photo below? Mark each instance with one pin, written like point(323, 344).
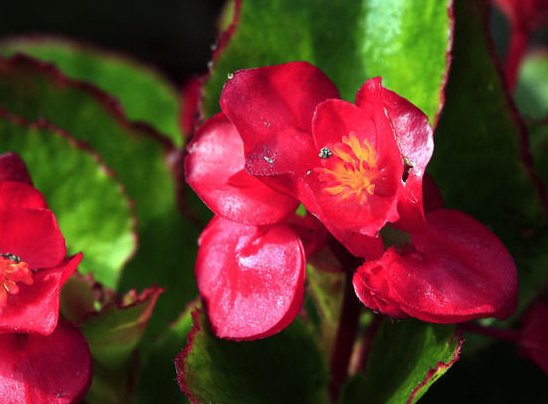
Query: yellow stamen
point(351, 169)
point(12, 271)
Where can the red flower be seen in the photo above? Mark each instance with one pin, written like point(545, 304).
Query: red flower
point(33, 263)
point(455, 270)
point(44, 369)
point(355, 167)
point(251, 278)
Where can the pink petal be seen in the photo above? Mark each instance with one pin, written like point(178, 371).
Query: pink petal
point(414, 137)
point(20, 195)
point(456, 270)
point(13, 168)
point(45, 369)
point(333, 120)
point(33, 235)
point(35, 309)
point(251, 278)
point(272, 109)
point(214, 168)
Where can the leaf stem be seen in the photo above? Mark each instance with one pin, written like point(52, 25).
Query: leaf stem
point(367, 344)
point(348, 323)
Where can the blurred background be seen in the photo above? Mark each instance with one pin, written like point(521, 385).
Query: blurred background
point(174, 36)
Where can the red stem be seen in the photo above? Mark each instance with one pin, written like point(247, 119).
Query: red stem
point(368, 338)
point(516, 50)
point(491, 332)
point(344, 341)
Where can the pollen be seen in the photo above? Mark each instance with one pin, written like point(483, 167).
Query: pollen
point(12, 272)
point(351, 170)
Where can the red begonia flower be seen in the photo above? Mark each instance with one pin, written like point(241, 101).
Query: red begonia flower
point(214, 168)
point(32, 266)
point(534, 334)
point(12, 168)
point(355, 167)
point(251, 278)
point(272, 109)
point(45, 369)
point(455, 270)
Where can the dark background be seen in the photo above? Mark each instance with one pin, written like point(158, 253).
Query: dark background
point(173, 35)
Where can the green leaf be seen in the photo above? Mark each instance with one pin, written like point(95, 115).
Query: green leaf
point(407, 357)
point(477, 159)
point(157, 380)
point(140, 159)
point(532, 88)
point(349, 40)
point(143, 93)
point(91, 207)
point(287, 367)
point(114, 332)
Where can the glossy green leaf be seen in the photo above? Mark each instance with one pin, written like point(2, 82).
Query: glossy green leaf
point(349, 40)
point(143, 93)
point(287, 367)
point(81, 192)
point(407, 357)
point(532, 88)
point(114, 332)
point(142, 160)
point(477, 159)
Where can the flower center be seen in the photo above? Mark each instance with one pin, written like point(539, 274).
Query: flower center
point(349, 169)
point(12, 271)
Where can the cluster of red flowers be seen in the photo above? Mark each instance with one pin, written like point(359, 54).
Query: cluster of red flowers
point(285, 138)
point(44, 359)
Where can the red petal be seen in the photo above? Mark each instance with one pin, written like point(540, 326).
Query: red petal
point(32, 235)
point(373, 289)
point(272, 108)
point(251, 278)
point(527, 15)
point(414, 137)
point(334, 119)
point(214, 168)
point(534, 334)
point(456, 271)
point(312, 233)
point(39, 369)
point(20, 195)
point(13, 168)
point(35, 308)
